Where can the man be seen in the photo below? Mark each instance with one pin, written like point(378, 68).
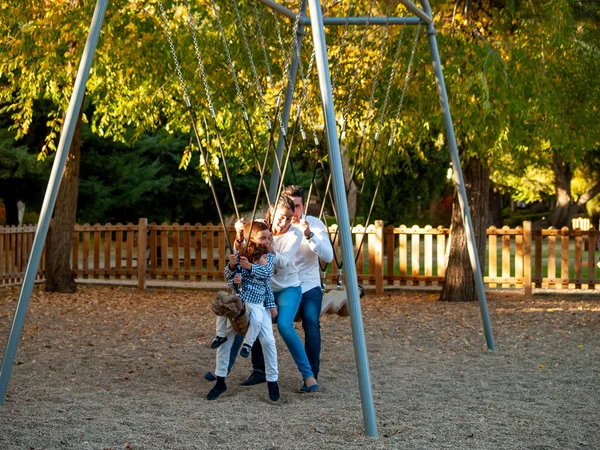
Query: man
point(316, 245)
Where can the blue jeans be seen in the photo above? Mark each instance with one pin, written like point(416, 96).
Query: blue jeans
point(235, 348)
point(288, 301)
point(310, 312)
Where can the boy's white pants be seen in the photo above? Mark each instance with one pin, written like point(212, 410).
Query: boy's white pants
point(266, 338)
point(222, 326)
point(255, 323)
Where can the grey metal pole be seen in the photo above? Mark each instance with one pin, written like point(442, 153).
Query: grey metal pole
point(51, 193)
point(339, 193)
point(421, 16)
point(424, 14)
point(460, 183)
point(287, 105)
point(281, 9)
point(371, 20)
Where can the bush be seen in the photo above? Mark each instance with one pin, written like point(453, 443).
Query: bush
point(31, 218)
point(517, 220)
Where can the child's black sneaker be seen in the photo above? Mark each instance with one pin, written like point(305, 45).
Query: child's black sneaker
point(217, 341)
point(273, 390)
point(217, 389)
point(245, 351)
point(256, 377)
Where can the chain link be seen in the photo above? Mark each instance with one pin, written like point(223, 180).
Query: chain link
point(229, 60)
point(250, 57)
point(342, 45)
point(354, 81)
point(377, 73)
point(287, 56)
point(263, 43)
point(406, 79)
point(192, 24)
point(391, 80)
point(174, 53)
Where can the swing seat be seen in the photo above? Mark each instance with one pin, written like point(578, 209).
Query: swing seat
point(335, 301)
point(231, 306)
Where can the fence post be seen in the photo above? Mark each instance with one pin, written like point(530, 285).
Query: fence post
point(527, 258)
point(379, 257)
point(142, 244)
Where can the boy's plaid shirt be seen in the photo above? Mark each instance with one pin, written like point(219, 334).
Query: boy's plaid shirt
point(256, 282)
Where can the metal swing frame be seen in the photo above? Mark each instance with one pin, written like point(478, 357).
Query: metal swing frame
point(317, 23)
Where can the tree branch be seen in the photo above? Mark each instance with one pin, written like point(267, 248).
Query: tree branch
point(588, 195)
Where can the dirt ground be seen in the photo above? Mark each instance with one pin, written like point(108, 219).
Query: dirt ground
point(117, 368)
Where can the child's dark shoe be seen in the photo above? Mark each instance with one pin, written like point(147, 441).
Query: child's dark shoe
point(256, 377)
point(273, 390)
point(217, 389)
point(245, 351)
point(218, 341)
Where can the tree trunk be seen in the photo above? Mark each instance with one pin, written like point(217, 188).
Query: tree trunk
point(459, 284)
point(59, 275)
point(350, 186)
point(565, 208)
point(495, 208)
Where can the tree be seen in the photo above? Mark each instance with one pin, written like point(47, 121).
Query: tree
point(555, 59)
point(496, 52)
point(476, 78)
point(128, 91)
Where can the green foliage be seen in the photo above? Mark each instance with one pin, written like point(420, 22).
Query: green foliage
point(522, 79)
point(22, 177)
point(121, 184)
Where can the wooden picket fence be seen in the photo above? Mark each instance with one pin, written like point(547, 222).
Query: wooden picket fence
point(386, 256)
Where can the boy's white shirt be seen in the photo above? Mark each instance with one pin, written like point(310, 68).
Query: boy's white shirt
point(307, 258)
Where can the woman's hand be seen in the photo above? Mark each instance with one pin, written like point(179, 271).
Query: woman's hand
point(239, 229)
point(271, 245)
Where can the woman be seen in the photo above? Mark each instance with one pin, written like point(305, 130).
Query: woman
point(287, 290)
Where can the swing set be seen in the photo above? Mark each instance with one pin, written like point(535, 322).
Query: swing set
point(367, 149)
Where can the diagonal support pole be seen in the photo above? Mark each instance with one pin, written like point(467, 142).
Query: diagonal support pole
point(339, 192)
point(458, 178)
point(58, 168)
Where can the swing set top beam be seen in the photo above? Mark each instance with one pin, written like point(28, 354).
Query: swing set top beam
point(422, 17)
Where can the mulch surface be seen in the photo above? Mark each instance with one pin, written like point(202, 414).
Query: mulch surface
point(116, 368)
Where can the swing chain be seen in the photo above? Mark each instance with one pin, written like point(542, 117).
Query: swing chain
point(229, 60)
point(354, 81)
point(342, 45)
point(192, 24)
point(406, 79)
point(377, 72)
point(174, 53)
point(390, 81)
point(287, 59)
point(193, 121)
point(263, 44)
point(254, 72)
